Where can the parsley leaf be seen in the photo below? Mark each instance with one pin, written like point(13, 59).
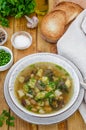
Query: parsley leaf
point(16, 8)
point(6, 117)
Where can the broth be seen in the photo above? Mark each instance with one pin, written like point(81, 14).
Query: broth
point(43, 87)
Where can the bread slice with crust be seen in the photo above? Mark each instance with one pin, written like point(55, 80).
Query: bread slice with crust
point(53, 25)
point(72, 10)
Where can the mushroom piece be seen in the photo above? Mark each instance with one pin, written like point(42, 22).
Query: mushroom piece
point(61, 83)
point(53, 103)
point(40, 85)
point(49, 73)
point(27, 79)
point(23, 102)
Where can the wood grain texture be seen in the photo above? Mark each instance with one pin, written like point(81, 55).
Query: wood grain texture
point(48, 127)
point(20, 25)
point(75, 122)
point(3, 104)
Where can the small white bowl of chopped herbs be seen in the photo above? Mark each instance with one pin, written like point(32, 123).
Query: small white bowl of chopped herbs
point(6, 58)
point(3, 36)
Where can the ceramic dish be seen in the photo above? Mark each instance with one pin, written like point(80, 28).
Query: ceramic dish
point(44, 57)
point(38, 120)
point(21, 40)
point(3, 36)
point(8, 64)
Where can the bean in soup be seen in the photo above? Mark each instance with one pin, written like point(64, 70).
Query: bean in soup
point(43, 87)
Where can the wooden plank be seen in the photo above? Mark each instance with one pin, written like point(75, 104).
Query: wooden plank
point(63, 125)
point(70, 123)
point(20, 25)
point(3, 104)
point(42, 5)
point(22, 125)
point(51, 4)
point(76, 122)
point(43, 46)
point(48, 127)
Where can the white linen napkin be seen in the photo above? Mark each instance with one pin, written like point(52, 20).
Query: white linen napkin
point(72, 45)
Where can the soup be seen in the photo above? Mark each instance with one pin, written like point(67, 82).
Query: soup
point(43, 87)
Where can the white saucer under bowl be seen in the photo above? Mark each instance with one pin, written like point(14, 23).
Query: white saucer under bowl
point(41, 120)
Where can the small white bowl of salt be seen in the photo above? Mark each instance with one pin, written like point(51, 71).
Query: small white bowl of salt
point(21, 40)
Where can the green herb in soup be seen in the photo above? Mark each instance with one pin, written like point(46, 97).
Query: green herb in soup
point(43, 87)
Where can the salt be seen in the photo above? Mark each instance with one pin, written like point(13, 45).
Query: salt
point(22, 41)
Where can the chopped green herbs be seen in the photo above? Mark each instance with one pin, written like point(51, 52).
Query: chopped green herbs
point(52, 85)
point(4, 57)
point(63, 88)
point(29, 108)
point(59, 67)
point(6, 117)
point(49, 94)
point(16, 8)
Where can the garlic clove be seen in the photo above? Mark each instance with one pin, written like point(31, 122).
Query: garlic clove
point(28, 19)
point(32, 22)
point(35, 19)
point(29, 25)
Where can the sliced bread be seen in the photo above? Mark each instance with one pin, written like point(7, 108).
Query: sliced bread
point(53, 25)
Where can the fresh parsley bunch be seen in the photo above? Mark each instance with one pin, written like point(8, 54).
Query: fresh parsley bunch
point(16, 8)
point(6, 117)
